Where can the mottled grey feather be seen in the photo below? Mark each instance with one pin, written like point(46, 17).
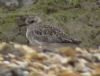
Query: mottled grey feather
point(38, 33)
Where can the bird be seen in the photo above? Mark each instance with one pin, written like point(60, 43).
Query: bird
point(40, 33)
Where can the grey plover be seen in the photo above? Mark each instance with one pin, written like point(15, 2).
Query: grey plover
point(39, 33)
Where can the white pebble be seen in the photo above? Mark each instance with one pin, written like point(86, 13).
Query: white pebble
point(26, 73)
point(83, 61)
point(86, 74)
point(6, 62)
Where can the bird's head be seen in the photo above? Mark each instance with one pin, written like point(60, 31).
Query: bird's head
point(32, 20)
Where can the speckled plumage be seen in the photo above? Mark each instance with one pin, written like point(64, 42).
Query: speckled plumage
point(41, 33)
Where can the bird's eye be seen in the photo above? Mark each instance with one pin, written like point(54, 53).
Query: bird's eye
point(31, 21)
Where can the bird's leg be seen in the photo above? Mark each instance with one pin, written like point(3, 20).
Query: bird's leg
point(45, 46)
point(41, 46)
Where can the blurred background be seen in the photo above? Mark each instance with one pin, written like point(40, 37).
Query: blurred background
point(79, 18)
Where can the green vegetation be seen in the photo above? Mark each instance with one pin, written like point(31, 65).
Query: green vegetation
point(62, 12)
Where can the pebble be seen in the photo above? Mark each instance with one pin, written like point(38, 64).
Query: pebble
point(22, 64)
point(18, 72)
point(86, 74)
point(26, 73)
point(6, 62)
point(97, 57)
point(83, 61)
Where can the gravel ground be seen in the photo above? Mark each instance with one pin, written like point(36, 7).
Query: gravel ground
point(22, 60)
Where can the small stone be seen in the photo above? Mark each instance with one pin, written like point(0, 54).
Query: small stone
point(78, 49)
point(64, 60)
point(88, 57)
point(28, 49)
point(35, 56)
point(83, 61)
point(67, 51)
point(26, 73)
point(56, 58)
point(25, 48)
point(6, 62)
point(97, 57)
point(86, 74)
point(13, 65)
point(12, 56)
point(2, 45)
point(22, 64)
point(39, 66)
point(18, 72)
point(81, 67)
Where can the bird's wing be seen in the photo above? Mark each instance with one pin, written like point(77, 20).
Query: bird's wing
point(51, 34)
point(45, 33)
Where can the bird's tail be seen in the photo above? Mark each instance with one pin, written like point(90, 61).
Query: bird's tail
point(72, 41)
